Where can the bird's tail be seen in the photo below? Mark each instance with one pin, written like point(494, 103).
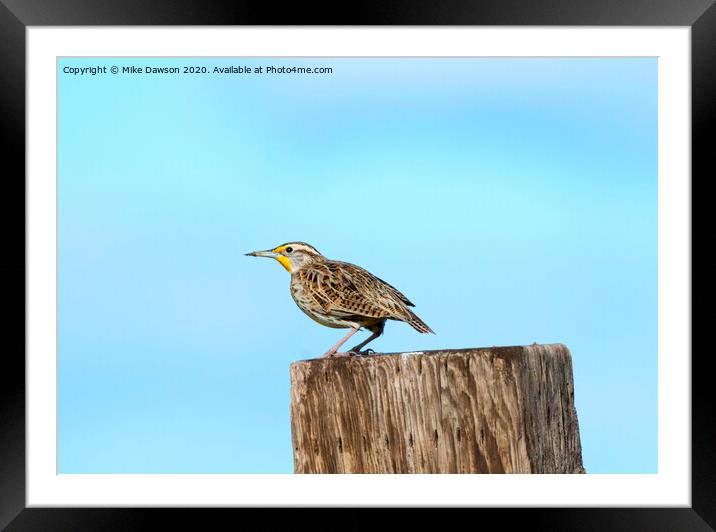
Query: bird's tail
point(417, 324)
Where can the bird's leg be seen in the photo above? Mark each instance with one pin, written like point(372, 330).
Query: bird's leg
point(365, 342)
point(333, 350)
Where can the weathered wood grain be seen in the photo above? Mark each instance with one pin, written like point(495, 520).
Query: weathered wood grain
point(487, 410)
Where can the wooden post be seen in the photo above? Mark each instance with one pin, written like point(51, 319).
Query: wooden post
point(487, 410)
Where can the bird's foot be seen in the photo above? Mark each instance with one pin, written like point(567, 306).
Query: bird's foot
point(365, 352)
point(330, 354)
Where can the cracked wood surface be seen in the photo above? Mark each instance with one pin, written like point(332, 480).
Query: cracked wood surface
point(482, 410)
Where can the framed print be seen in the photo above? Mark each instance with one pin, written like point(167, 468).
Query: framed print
point(525, 178)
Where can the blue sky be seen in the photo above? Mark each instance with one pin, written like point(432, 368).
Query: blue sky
point(512, 200)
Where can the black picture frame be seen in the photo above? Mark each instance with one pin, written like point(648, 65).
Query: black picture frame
point(17, 15)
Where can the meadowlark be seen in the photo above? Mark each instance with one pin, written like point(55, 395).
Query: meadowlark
point(341, 295)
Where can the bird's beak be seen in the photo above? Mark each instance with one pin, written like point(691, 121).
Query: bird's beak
point(268, 253)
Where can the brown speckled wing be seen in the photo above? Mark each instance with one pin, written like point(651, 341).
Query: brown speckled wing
point(344, 289)
point(394, 292)
point(391, 302)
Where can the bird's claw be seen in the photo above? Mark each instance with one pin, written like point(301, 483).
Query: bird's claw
point(337, 354)
point(351, 353)
point(361, 353)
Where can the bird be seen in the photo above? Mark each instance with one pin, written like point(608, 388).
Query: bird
point(342, 295)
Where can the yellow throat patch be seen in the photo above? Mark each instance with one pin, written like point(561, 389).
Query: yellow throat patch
point(284, 262)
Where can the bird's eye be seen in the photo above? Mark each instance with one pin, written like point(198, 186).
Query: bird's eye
point(289, 250)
